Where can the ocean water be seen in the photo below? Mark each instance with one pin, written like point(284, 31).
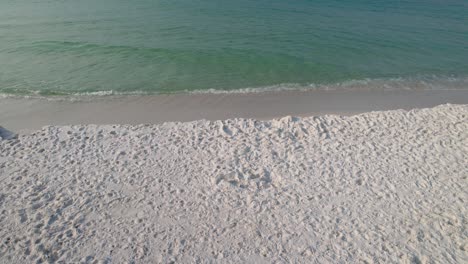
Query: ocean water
point(66, 47)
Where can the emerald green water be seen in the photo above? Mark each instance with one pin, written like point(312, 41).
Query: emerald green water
point(62, 47)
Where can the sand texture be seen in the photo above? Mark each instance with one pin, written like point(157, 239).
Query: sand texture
point(379, 187)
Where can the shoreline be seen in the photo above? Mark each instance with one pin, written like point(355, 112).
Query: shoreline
point(23, 115)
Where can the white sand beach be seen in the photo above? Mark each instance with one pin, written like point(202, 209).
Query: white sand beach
point(376, 187)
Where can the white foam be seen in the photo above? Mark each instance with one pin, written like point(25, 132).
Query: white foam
point(423, 83)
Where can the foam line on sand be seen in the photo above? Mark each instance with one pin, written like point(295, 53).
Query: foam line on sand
point(379, 187)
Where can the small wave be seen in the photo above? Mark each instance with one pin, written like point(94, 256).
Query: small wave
point(389, 84)
point(382, 84)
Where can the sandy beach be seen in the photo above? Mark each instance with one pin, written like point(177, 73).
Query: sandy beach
point(155, 131)
point(375, 187)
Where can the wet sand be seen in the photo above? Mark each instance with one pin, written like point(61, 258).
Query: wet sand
point(31, 114)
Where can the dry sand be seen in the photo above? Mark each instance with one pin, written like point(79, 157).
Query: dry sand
point(379, 187)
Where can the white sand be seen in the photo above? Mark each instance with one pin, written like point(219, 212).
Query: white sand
point(380, 187)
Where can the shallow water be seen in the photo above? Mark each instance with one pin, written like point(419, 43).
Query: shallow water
point(56, 47)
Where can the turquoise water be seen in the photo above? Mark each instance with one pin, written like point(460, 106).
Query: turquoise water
point(59, 47)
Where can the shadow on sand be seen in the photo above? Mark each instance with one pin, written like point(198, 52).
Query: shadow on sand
point(6, 134)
